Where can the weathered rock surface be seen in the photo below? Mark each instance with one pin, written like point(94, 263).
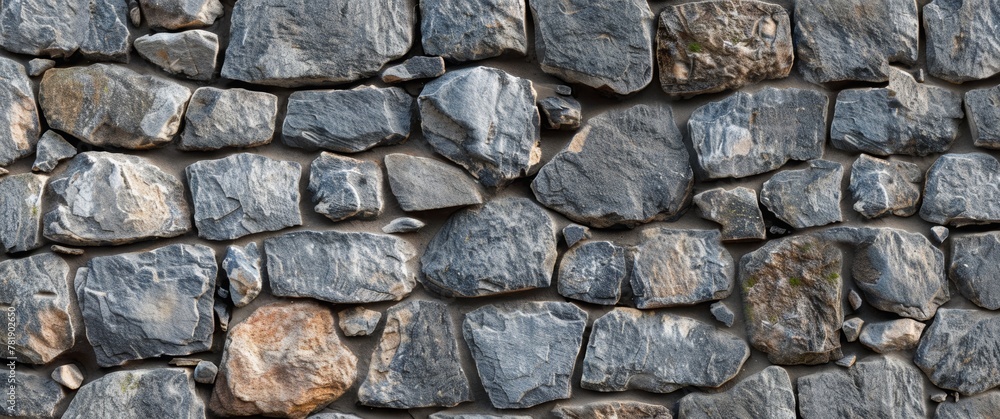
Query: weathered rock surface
point(475, 416)
point(984, 116)
point(58, 28)
point(110, 105)
point(680, 267)
point(736, 210)
point(242, 267)
point(403, 225)
point(414, 68)
point(506, 245)
point(961, 350)
point(106, 35)
point(974, 261)
point(484, 120)
point(612, 410)
point(66, 250)
point(658, 352)
point(111, 198)
point(939, 234)
point(956, 52)
point(560, 112)
point(854, 299)
point(892, 335)
point(421, 184)
point(587, 182)
point(181, 14)
point(970, 407)
point(722, 313)
point(416, 363)
point(808, 197)
point(347, 121)
point(205, 372)
point(881, 187)
point(344, 188)
point(575, 233)
point(46, 315)
point(52, 149)
point(293, 44)
point(463, 30)
point(139, 394)
point(38, 66)
point(852, 328)
point(190, 54)
point(876, 387)
point(593, 272)
point(19, 113)
point(767, 394)
point(21, 212)
point(68, 376)
point(244, 194)
point(358, 321)
point(220, 118)
point(961, 189)
point(36, 396)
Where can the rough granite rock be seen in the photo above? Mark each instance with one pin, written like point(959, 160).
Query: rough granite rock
point(181, 14)
point(464, 30)
point(106, 35)
point(612, 410)
point(606, 45)
point(191, 54)
point(205, 372)
point(220, 118)
point(344, 188)
point(284, 360)
point(575, 233)
point(525, 352)
point(347, 121)
point(881, 187)
point(984, 116)
point(164, 295)
point(282, 43)
point(876, 387)
point(49, 27)
point(957, 50)
point(841, 40)
point(961, 189)
point(736, 210)
point(905, 117)
point(19, 115)
point(38, 66)
point(852, 328)
point(893, 335)
point(792, 300)
point(46, 315)
point(484, 120)
point(588, 181)
point(111, 105)
point(658, 352)
point(722, 313)
point(421, 184)
point(974, 261)
point(338, 267)
point(139, 201)
point(244, 194)
point(242, 267)
point(68, 376)
point(560, 112)
point(970, 407)
point(358, 321)
point(680, 267)
point(52, 149)
point(416, 363)
point(21, 212)
point(414, 68)
point(503, 246)
point(767, 394)
point(808, 197)
point(34, 396)
point(961, 351)
point(403, 225)
point(139, 394)
point(711, 46)
point(593, 272)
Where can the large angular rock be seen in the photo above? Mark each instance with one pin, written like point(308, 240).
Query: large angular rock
point(219, 118)
point(344, 188)
point(45, 311)
point(289, 44)
point(485, 120)
point(881, 187)
point(464, 30)
point(242, 267)
point(180, 14)
point(877, 387)
point(984, 116)
point(767, 394)
point(21, 212)
point(961, 350)
point(892, 335)
point(416, 363)
point(506, 245)
point(808, 197)
point(606, 45)
point(593, 272)
point(970, 407)
point(711, 46)
point(623, 168)
point(956, 49)
point(52, 149)
point(49, 27)
point(34, 396)
point(525, 353)
point(421, 184)
point(139, 394)
point(244, 194)
point(347, 121)
point(110, 105)
point(974, 262)
point(736, 210)
point(613, 410)
point(191, 54)
point(340, 267)
point(284, 360)
point(138, 201)
point(18, 115)
point(680, 267)
point(792, 300)
point(107, 34)
point(164, 296)
point(658, 352)
point(841, 40)
point(751, 133)
point(905, 117)
point(961, 190)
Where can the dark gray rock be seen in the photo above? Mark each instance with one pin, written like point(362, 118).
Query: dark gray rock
point(220, 118)
point(506, 245)
point(613, 410)
point(939, 234)
point(722, 313)
point(403, 225)
point(808, 197)
point(955, 50)
point(48, 27)
point(190, 54)
point(658, 352)
point(893, 335)
point(881, 187)
point(525, 353)
point(984, 116)
point(560, 112)
point(421, 184)
point(242, 267)
point(296, 43)
point(38, 66)
point(593, 272)
point(181, 14)
point(961, 350)
point(205, 372)
point(767, 394)
point(52, 149)
point(414, 68)
point(105, 36)
point(46, 315)
point(974, 261)
point(222, 313)
point(21, 212)
point(134, 13)
point(340, 267)
point(19, 113)
point(604, 45)
point(852, 328)
point(485, 120)
point(680, 267)
point(244, 194)
point(34, 396)
point(68, 376)
point(347, 121)
point(358, 321)
point(139, 394)
point(588, 181)
point(463, 30)
point(961, 190)
point(344, 188)
point(736, 210)
point(970, 407)
point(416, 363)
point(876, 387)
point(575, 233)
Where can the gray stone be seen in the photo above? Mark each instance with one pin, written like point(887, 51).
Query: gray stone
point(880, 187)
point(164, 295)
point(847, 361)
point(474, 416)
point(876, 387)
point(184, 362)
point(905, 117)
point(334, 415)
point(46, 315)
point(736, 210)
point(658, 352)
point(220, 118)
point(680, 267)
point(138, 201)
point(138, 394)
point(421, 184)
point(974, 261)
point(560, 112)
point(711, 46)
point(939, 234)
point(340, 267)
point(984, 116)
point(961, 190)
point(105, 36)
point(463, 30)
point(347, 121)
point(48, 27)
point(751, 133)
point(852, 328)
point(52, 149)
point(19, 114)
point(961, 350)
point(190, 54)
point(506, 245)
point(222, 314)
point(484, 120)
point(205, 372)
point(808, 197)
point(21, 212)
point(722, 313)
point(344, 188)
point(244, 194)
point(767, 394)
point(38, 66)
point(181, 14)
point(403, 225)
point(134, 13)
point(604, 45)
point(242, 267)
point(68, 376)
point(792, 300)
point(854, 299)
point(110, 105)
point(940, 398)
point(66, 250)
point(625, 167)
point(575, 233)
point(525, 352)
point(358, 321)
point(35, 396)
point(414, 68)
point(893, 335)
point(593, 272)
point(845, 40)
point(296, 43)
point(613, 410)
point(955, 50)
point(416, 363)
point(970, 407)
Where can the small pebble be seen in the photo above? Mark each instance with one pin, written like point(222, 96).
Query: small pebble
point(852, 328)
point(69, 376)
point(205, 372)
point(939, 234)
point(403, 225)
point(855, 299)
point(723, 314)
point(939, 397)
point(847, 361)
point(66, 250)
point(38, 66)
point(574, 233)
point(184, 362)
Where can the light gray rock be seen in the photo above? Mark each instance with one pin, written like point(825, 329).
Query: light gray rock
point(808, 197)
point(340, 267)
point(658, 352)
point(736, 210)
point(604, 45)
point(939, 398)
point(220, 118)
point(184, 362)
point(560, 112)
point(68, 376)
point(593, 272)
point(961, 189)
point(464, 30)
point(880, 187)
point(19, 113)
point(525, 352)
point(344, 188)
point(242, 267)
point(48, 27)
point(854, 299)
point(414, 68)
point(970, 407)
point(893, 335)
point(105, 36)
point(358, 321)
point(35, 396)
point(588, 181)
point(876, 387)
point(939, 234)
point(722, 313)
point(244, 194)
point(974, 261)
point(767, 394)
point(575, 233)
point(21, 212)
point(347, 121)
point(506, 245)
point(421, 184)
point(680, 267)
point(955, 50)
point(984, 116)
point(612, 410)
point(403, 225)
point(66, 250)
point(38, 66)
point(847, 361)
point(190, 54)
point(139, 394)
point(138, 201)
point(52, 149)
point(296, 43)
point(46, 315)
point(205, 372)
point(852, 328)
point(961, 350)
point(181, 14)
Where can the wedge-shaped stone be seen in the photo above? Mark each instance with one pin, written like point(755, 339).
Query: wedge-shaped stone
point(190, 54)
point(680, 267)
point(45, 311)
point(421, 184)
point(767, 394)
point(52, 149)
point(19, 114)
point(961, 190)
point(21, 212)
point(414, 68)
point(961, 350)
point(347, 121)
point(139, 394)
point(876, 387)
point(467, 30)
